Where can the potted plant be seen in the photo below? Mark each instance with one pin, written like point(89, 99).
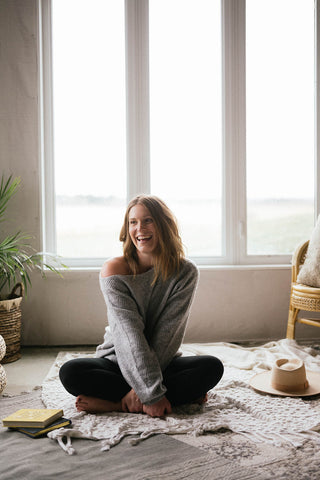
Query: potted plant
point(17, 260)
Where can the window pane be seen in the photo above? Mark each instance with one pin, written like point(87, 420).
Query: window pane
point(89, 125)
point(280, 124)
point(185, 117)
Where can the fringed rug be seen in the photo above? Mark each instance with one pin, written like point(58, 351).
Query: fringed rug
point(232, 404)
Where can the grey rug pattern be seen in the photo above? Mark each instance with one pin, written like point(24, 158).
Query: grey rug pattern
point(266, 461)
point(159, 457)
point(223, 455)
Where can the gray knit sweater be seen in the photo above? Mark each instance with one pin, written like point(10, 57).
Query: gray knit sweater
point(146, 325)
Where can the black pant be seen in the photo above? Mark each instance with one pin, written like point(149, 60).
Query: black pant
point(186, 378)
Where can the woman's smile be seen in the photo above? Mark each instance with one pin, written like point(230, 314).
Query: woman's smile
point(144, 238)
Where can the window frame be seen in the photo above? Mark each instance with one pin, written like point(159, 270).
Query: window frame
point(234, 228)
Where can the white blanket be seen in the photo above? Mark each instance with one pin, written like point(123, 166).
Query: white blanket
point(232, 404)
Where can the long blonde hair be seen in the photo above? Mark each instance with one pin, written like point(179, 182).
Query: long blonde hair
point(169, 251)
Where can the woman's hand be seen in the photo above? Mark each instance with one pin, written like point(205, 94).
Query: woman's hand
point(158, 409)
point(131, 403)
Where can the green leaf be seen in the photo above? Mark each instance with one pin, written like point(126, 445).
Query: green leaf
point(17, 257)
point(7, 190)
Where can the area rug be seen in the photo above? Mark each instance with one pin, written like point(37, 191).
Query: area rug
point(222, 454)
point(266, 461)
point(232, 405)
point(159, 457)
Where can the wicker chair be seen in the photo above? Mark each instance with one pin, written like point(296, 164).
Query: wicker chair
point(302, 297)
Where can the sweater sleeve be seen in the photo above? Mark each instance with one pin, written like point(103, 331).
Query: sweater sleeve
point(169, 331)
point(138, 362)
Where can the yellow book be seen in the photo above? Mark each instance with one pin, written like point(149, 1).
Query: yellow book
point(32, 417)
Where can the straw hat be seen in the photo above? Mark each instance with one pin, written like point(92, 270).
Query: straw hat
point(288, 378)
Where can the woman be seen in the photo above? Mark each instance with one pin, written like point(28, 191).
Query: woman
point(148, 292)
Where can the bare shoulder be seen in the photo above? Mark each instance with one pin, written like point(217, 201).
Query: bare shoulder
point(115, 266)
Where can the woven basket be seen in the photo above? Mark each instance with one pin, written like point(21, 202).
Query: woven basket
point(10, 324)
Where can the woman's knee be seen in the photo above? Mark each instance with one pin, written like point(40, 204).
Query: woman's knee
point(68, 371)
point(212, 369)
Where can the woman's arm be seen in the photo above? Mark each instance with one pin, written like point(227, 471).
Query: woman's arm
point(168, 333)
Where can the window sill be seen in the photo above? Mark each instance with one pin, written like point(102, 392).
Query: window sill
point(205, 268)
point(245, 267)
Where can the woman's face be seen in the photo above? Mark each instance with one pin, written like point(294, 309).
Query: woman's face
point(142, 230)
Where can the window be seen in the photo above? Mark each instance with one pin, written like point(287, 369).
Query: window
point(280, 124)
point(208, 104)
point(186, 117)
point(88, 67)
point(89, 126)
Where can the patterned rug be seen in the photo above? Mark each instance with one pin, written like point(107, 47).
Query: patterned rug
point(233, 405)
point(262, 460)
point(159, 457)
point(211, 456)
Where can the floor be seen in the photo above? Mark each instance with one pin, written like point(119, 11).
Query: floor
point(31, 369)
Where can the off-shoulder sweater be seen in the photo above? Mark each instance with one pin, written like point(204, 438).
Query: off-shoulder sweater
point(146, 325)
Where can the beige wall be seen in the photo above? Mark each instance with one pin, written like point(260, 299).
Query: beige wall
point(231, 304)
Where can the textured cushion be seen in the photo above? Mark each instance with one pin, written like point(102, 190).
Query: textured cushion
point(310, 270)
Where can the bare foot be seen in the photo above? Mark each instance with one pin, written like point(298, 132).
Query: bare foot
point(96, 405)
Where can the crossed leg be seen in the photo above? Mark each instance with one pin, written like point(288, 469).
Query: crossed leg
point(99, 385)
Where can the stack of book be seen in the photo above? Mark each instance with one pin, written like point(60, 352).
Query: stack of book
point(36, 422)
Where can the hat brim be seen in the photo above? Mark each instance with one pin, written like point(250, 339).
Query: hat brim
point(262, 383)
